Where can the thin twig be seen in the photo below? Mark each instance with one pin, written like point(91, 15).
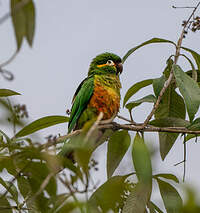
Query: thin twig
point(14, 116)
point(179, 163)
point(125, 119)
point(6, 74)
point(168, 82)
point(42, 187)
point(65, 183)
point(130, 113)
point(60, 139)
point(9, 60)
point(94, 126)
point(182, 7)
point(108, 120)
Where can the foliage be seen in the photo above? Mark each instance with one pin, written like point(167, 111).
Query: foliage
point(35, 170)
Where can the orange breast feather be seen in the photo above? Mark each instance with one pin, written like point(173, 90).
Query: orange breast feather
point(105, 99)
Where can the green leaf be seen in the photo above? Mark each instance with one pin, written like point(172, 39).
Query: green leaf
point(195, 55)
point(6, 136)
point(93, 209)
point(147, 99)
point(194, 71)
point(190, 136)
point(10, 187)
point(138, 199)
point(108, 195)
point(70, 207)
point(189, 72)
point(7, 92)
point(171, 198)
point(79, 149)
point(151, 41)
point(23, 19)
point(189, 90)
point(158, 84)
point(135, 88)
point(118, 145)
point(155, 207)
point(26, 191)
point(5, 205)
point(171, 105)
point(19, 21)
point(29, 12)
point(66, 163)
point(8, 164)
point(191, 204)
point(41, 124)
point(151, 208)
point(168, 68)
point(167, 176)
point(166, 141)
point(39, 172)
point(170, 122)
point(58, 202)
point(195, 125)
point(23, 186)
point(141, 160)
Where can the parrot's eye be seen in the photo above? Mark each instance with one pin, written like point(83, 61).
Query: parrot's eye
point(110, 63)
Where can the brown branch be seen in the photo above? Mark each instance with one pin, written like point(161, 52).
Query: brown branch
point(168, 82)
point(116, 126)
point(130, 127)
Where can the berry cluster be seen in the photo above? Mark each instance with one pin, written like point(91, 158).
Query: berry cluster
point(196, 24)
point(93, 164)
point(51, 138)
point(21, 111)
point(193, 25)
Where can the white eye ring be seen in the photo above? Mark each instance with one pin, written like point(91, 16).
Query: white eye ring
point(110, 63)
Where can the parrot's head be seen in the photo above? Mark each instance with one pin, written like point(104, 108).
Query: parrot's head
point(106, 63)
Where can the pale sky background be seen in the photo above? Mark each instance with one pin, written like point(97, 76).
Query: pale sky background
point(69, 33)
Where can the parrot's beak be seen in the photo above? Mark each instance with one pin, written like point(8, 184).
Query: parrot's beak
point(119, 67)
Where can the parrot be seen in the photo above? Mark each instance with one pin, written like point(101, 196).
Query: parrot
point(98, 92)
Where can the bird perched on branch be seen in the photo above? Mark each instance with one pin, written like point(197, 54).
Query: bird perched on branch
point(99, 92)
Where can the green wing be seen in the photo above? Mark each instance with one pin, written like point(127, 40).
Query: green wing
point(80, 101)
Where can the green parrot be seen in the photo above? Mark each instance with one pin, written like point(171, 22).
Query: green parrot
point(99, 92)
